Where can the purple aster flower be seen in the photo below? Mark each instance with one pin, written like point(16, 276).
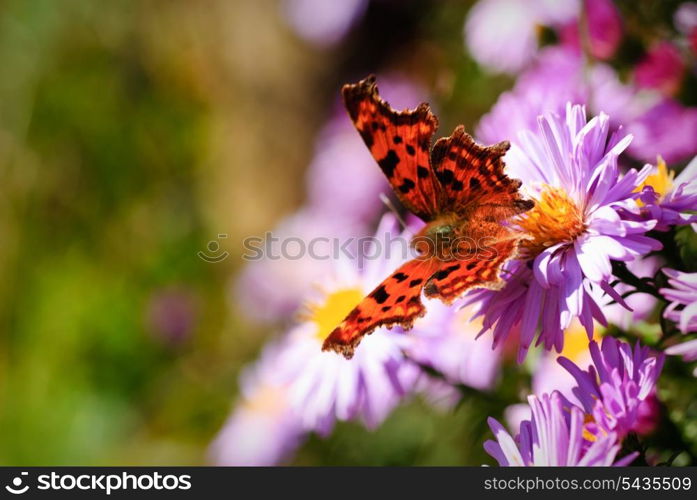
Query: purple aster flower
point(320, 22)
point(617, 385)
point(262, 430)
point(501, 35)
point(683, 299)
point(669, 200)
point(574, 231)
point(323, 387)
point(548, 375)
point(555, 435)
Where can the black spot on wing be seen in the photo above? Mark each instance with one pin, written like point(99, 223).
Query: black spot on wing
point(445, 176)
point(407, 186)
point(380, 295)
point(389, 163)
point(444, 273)
point(415, 282)
point(410, 150)
point(367, 138)
point(399, 277)
point(421, 172)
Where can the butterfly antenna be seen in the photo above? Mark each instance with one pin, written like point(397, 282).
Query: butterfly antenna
point(388, 203)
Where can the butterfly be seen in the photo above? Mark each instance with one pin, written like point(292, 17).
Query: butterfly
point(458, 188)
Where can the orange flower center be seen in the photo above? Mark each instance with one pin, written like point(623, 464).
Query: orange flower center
point(554, 219)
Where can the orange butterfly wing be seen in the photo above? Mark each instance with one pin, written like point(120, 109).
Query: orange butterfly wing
point(469, 174)
point(397, 300)
point(400, 142)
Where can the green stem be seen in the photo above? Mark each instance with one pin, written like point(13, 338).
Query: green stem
point(644, 285)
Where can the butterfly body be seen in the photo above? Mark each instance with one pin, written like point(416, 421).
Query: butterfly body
point(460, 191)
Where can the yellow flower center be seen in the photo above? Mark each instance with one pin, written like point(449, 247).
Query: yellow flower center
point(336, 306)
point(554, 219)
point(576, 341)
point(661, 181)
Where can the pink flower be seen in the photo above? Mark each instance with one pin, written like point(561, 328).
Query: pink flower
point(604, 29)
point(662, 68)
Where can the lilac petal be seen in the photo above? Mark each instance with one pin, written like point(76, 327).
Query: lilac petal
point(588, 388)
point(686, 314)
point(575, 436)
point(600, 452)
point(624, 461)
point(506, 443)
point(594, 265)
point(687, 349)
point(531, 312)
point(572, 288)
point(615, 296)
point(541, 265)
point(494, 449)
